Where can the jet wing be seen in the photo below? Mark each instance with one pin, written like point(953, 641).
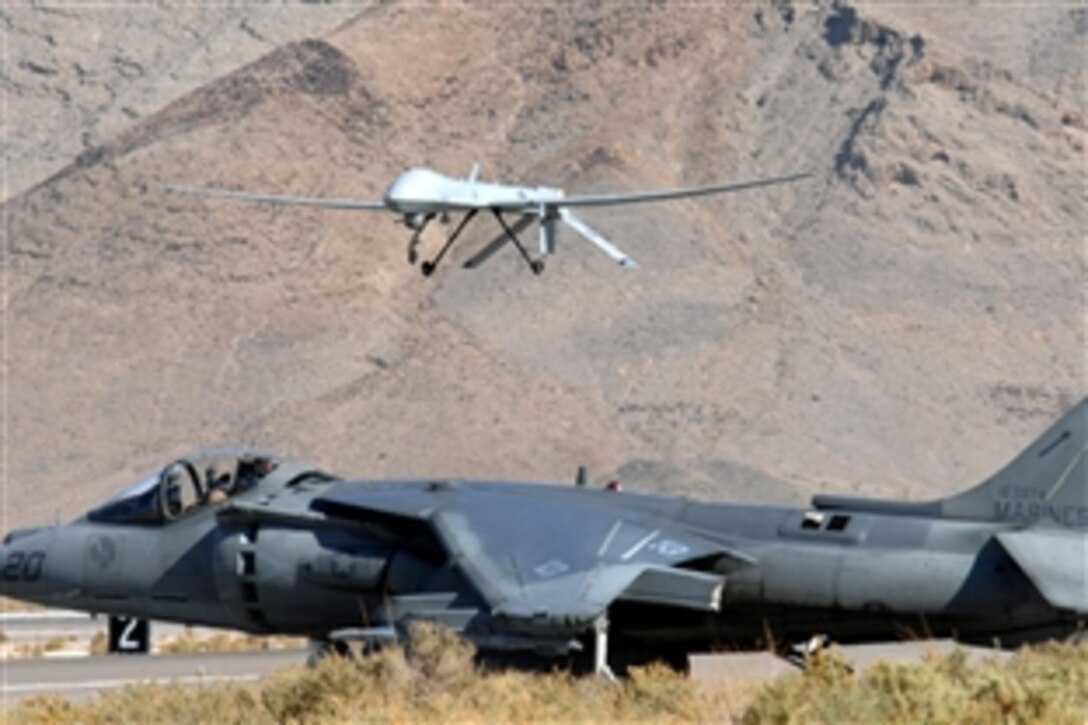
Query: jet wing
point(640, 197)
point(545, 558)
point(324, 202)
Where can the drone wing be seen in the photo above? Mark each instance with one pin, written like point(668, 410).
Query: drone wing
point(324, 202)
point(641, 197)
point(561, 209)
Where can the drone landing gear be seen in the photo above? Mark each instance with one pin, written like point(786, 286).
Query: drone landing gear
point(413, 246)
point(536, 265)
point(418, 222)
point(429, 266)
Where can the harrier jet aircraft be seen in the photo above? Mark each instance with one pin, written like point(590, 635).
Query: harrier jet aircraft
point(253, 542)
point(419, 195)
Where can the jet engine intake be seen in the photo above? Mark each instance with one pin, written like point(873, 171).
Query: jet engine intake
point(355, 571)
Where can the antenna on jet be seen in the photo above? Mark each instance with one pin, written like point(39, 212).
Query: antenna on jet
point(581, 477)
point(474, 172)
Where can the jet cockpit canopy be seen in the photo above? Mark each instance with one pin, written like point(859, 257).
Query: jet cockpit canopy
point(203, 477)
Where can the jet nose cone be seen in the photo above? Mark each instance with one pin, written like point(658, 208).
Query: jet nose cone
point(23, 564)
point(15, 534)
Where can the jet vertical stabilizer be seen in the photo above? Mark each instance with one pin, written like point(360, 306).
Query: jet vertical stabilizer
point(1046, 484)
point(1039, 501)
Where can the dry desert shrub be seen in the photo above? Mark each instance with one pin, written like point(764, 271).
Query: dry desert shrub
point(99, 644)
point(191, 641)
point(149, 703)
point(434, 678)
point(1043, 684)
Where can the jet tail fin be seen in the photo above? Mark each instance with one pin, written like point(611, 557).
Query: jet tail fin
point(1046, 484)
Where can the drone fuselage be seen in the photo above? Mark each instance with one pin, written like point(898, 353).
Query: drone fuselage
point(423, 191)
point(420, 194)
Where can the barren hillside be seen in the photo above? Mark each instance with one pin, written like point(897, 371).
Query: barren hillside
point(900, 324)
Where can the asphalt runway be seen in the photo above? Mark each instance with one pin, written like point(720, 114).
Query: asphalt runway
point(78, 678)
point(24, 626)
point(81, 677)
point(42, 625)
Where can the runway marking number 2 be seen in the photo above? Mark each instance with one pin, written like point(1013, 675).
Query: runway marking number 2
point(125, 641)
point(129, 635)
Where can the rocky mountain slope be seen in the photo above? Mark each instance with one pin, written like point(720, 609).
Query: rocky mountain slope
point(900, 324)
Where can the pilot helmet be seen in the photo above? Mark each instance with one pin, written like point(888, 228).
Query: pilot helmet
point(218, 475)
point(173, 490)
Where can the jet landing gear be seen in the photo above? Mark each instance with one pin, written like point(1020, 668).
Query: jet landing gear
point(800, 654)
point(350, 642)
point(612, 659)
point(600, 649)
point(322, 649)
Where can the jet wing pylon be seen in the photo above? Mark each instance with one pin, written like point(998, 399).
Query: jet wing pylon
point(543, 561)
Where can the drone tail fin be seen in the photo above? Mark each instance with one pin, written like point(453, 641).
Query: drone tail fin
point(596, 238)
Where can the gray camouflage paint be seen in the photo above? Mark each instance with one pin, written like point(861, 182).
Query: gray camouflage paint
point(539, 568)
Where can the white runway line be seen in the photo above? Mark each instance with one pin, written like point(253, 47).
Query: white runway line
point(61, 687)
